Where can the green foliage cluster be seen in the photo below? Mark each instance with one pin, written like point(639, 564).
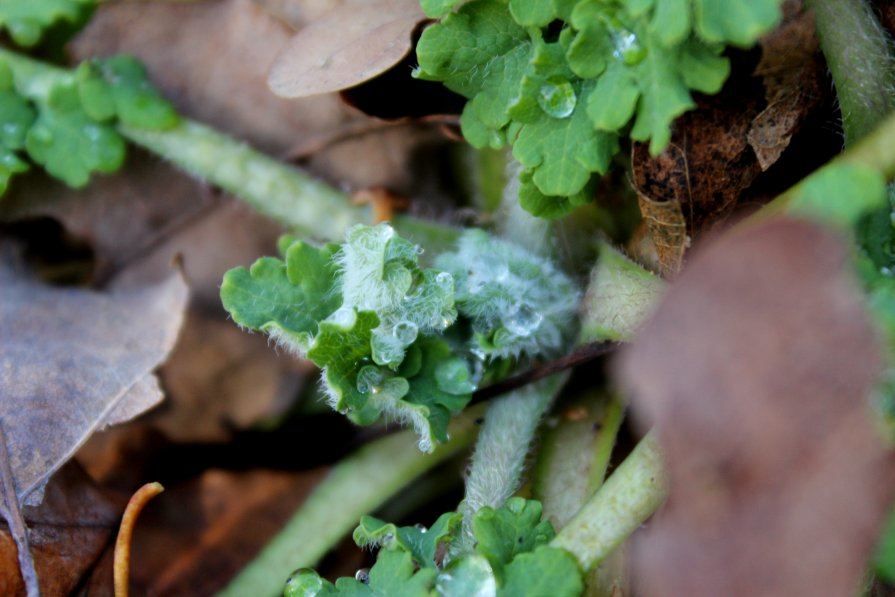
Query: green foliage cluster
point(67, 125)
point(27, 20)
point(560, 80)
point(512, 557)
point(383, 329)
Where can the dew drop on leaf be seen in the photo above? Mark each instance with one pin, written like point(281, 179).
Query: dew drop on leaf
point(557, 97)
point(304, 582)
point(405, 332)
point(444, 279)
point(627, 47)
point(343, 317)
point(362, 576)
point(369, 380)
point(522, 320)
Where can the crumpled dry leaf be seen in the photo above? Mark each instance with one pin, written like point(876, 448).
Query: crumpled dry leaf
point(73, 360)
point(756, 370)
point(793, 71)
point(704, 169)
point(352, 43)
point(68, 533)
point(211, 60)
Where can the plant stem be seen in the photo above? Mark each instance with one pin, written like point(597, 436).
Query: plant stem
point(275, 189)
point(859, 55)
point(357, 485)
point(500, 451)
point(630, 496)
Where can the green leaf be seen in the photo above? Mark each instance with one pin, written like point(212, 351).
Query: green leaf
point(740, 22)
point(438, 8)
point(551, 206)
point(118, 86)
point(10, 164)
point(546, 571)
point(512, 529)
point(421, 543)
point(343, 341)
point(517, 302)
point(479, 52)
point(840, 194)
point(26, 20)
point(533, 13)
point(469, 575)
point(68, 143)
point(392, 575)
point(284, 299)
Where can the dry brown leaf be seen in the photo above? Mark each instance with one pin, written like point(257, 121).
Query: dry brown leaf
point(72, 359)
point(793, 71)
point(202, 532)
point(69, 532)
point(705, 167)
point(352, 43)
point(756, 370)
point(211, 60)
point(667, 232)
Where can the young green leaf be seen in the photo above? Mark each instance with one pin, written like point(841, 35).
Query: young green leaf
point(17, 116)
point(393, 574)
point(26, 20)
point(284, 299)
point(68, 143)
point(546, 571)
point(513, 529)
point(118, 86)
point(518, 303)
point(421, 543)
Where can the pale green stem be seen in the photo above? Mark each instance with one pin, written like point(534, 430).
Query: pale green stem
point(275, 189)
point(859, 55)
point(357, 485)
point(627, 498)
point(499, 458)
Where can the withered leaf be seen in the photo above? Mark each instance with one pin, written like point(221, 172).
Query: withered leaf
point(756, 370)
point(73, 360)
point(211, 60)
point(69, 532)
point(705, 167)
point(354, 42)
point(792, 70)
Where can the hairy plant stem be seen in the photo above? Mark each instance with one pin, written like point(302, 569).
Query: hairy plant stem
point(275, 189)
point(860, 58)
point(627, 498)
point(357, 485)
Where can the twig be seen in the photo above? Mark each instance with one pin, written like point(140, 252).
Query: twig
point(122, 557)
point(585, 354)
point(9, 508)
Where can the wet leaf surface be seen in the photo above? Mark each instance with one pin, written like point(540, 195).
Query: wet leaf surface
point(756, 370)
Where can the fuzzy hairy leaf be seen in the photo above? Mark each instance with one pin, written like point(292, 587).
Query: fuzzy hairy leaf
point(68, 143)
point(517, 302)
point(284, 299)
point(26, 20)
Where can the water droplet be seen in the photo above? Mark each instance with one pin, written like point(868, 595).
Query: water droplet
point(421, 528)
point(522, 321)
point(343, 317)
point(452, 376)
point(557, 97)
point(886, 271)
point(12, 130)
point(444, 279)
point(304, 582)
point(405, 332)
point(369, 380)
point(362, 576)
point(627, 47)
